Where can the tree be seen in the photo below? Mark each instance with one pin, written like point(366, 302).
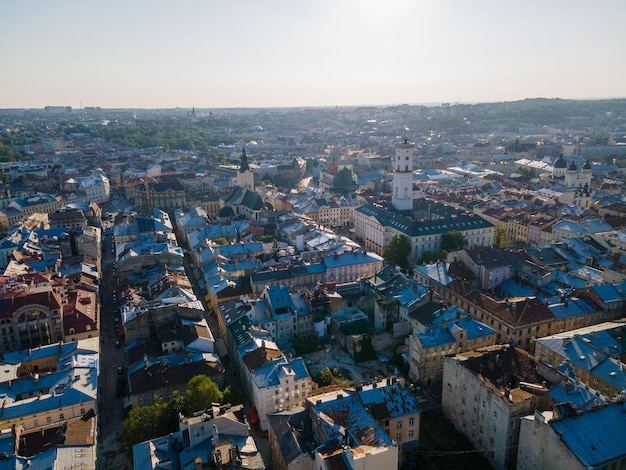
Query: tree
point(453, 241)
point(500, 237)
point(201, 392)
point(432, 256)
point(398, 251)
point(143, 423)
point(233, 395)
point(324, 377)
point(344, 181)
point(220, 241)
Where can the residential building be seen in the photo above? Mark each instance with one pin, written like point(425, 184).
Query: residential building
point(595, 354)
point(158, 378)
point(351, 438)
point(21, 208)
point(275, 385)
point(521, 319)
point(452, 331)
point(395, 409)
point(290, 436)
point(351, 266)
point(486, 263)
point(167, 196)
point(486, 392)
point(50, 385)
point(558, 439)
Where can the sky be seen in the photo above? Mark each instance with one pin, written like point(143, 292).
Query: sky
point(279, 53)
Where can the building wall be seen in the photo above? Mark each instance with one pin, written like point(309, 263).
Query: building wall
point(541, 447)
point(49, 417)
point(289, 393)
point(486, 418)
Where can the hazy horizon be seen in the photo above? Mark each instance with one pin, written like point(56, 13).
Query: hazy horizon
point(282, 54)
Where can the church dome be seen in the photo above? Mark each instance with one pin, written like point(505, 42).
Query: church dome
point(572, 167)
point(560, 162)
point(587, 165)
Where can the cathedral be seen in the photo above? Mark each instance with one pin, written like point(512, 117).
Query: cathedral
point(576, 182)
point(243, 202)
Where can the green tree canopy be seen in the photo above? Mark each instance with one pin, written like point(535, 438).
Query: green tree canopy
point(7, 154)
point(398, 251)
point(500, 237)
point(201, 392)
point(344, 181)
point(143, 423)
point(432, 256)
point(453, 241)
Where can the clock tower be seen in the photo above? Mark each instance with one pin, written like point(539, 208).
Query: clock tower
point(402, 197)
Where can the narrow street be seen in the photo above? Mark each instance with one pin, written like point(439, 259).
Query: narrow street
point(110, 406)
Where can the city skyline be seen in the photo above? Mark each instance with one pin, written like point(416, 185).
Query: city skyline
point(285, 54)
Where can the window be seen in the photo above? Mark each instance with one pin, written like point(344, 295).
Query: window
point(36, 422)
point(398, 437)
point(495, 415)
point(411, 422)
point(49, 419)
point(399, 425)
point(61, 416)
point(411, 432)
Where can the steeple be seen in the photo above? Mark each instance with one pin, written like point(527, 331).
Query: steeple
point(245, 177)
point(243, 167)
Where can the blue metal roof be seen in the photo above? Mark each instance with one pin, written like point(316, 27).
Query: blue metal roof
point(595, 437)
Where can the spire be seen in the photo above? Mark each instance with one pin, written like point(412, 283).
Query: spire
point(244, 162)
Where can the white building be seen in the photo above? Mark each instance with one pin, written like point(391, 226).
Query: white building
point(402, 198)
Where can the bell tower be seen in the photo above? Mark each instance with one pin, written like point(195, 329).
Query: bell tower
point(245, 177)
point(402, 197)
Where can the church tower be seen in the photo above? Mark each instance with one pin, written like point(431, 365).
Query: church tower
point(245, 177)
point(402, 197)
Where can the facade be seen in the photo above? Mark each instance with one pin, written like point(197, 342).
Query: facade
point(351, 266)
point(95, 188)
point(277, 385)
point(167, 196)
point(453, 331)
point(31, 312)
point(521, 320)
point(486, 392)
point(336, 214)
point(21, 208)
point(424, 228)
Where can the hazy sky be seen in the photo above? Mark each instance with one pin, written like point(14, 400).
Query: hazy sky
point(230, 53)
